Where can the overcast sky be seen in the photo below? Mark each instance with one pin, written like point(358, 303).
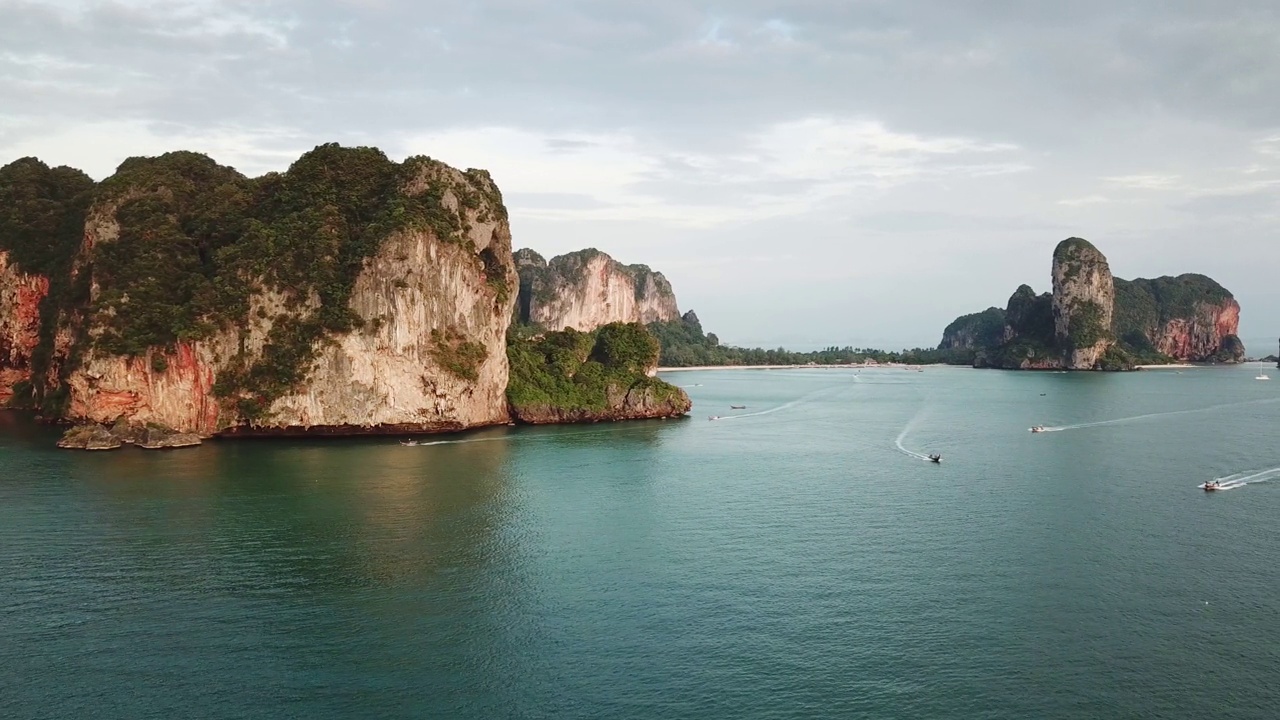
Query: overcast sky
point(806, 173)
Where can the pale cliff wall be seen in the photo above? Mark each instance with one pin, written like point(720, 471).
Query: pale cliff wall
point(418, 299)
point(588, 289)
point(20, 296)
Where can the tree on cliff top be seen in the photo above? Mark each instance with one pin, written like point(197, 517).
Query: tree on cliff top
point(1072, 248)
point(42, 214)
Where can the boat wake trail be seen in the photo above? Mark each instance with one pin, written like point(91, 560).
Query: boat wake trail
point(1239, 480)
point(780, 408)
point(1118, 421)
point(903, 436)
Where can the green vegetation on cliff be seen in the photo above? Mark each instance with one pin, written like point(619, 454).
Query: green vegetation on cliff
point(571, 371)
point(1085, 328)
point(197, 240)
point(1142, 304)
point(976, 330)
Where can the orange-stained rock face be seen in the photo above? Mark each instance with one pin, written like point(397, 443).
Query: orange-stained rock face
point(179, 397)
point(20, 297)
point(1199, 337)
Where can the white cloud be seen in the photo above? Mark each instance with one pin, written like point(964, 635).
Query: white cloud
point(784, 169)
point(1145, 182)
point(1086, 200)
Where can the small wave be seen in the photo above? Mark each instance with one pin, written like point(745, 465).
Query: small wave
point(1118, 421)
point(1239, 480)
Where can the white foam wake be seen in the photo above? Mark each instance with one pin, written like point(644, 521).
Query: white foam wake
point(1239, 480)
point(1118, 421)
point(780, 408)
point(903, 436)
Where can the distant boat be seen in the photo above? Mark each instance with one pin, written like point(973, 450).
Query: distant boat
point(714, 417)
point(737, 407)
point(1211, 486)
point(409, 443)
point(935, 458)
point(1037, 429)
point(1262, 376)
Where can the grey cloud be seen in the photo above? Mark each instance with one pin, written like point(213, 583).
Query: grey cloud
point(1086, 90)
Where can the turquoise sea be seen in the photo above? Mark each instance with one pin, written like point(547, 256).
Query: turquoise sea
point(795, 560)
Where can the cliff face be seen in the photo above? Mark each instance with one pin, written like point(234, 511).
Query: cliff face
point(348, 295)
point(419, 300)
point(41, 223)
point(588, 289)
point(1083, 299)
point(1188, 318)
point(20, 298)
point(1095, 321)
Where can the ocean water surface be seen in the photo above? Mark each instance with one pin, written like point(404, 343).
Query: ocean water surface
point(795, 559)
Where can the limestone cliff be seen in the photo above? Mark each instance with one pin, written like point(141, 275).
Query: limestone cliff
point(1095, 321)
point(1189, 317)
point(348, 295)
point(1083, 299)
point(587, 289)
point(20, 298)
point(41, 221)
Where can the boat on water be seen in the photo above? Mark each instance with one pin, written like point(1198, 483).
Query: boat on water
point(714, 417)
point(737, 407)
point(1211, 486)
point(935, 458)
point(1037, 429)
point(408, 443)
point(1262, 376)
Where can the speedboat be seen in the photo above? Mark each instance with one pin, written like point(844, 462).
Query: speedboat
point(1037, 429)
point(409, 443)
point(714, 417)
point(935, 459)
point(1211, 486)
point(737, 407)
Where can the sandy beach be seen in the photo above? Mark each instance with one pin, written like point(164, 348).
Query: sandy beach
point(791, 367)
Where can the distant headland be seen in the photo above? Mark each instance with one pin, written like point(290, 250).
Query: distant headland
point(1093, 321)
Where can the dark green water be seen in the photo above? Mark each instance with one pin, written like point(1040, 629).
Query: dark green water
point(789, 564)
